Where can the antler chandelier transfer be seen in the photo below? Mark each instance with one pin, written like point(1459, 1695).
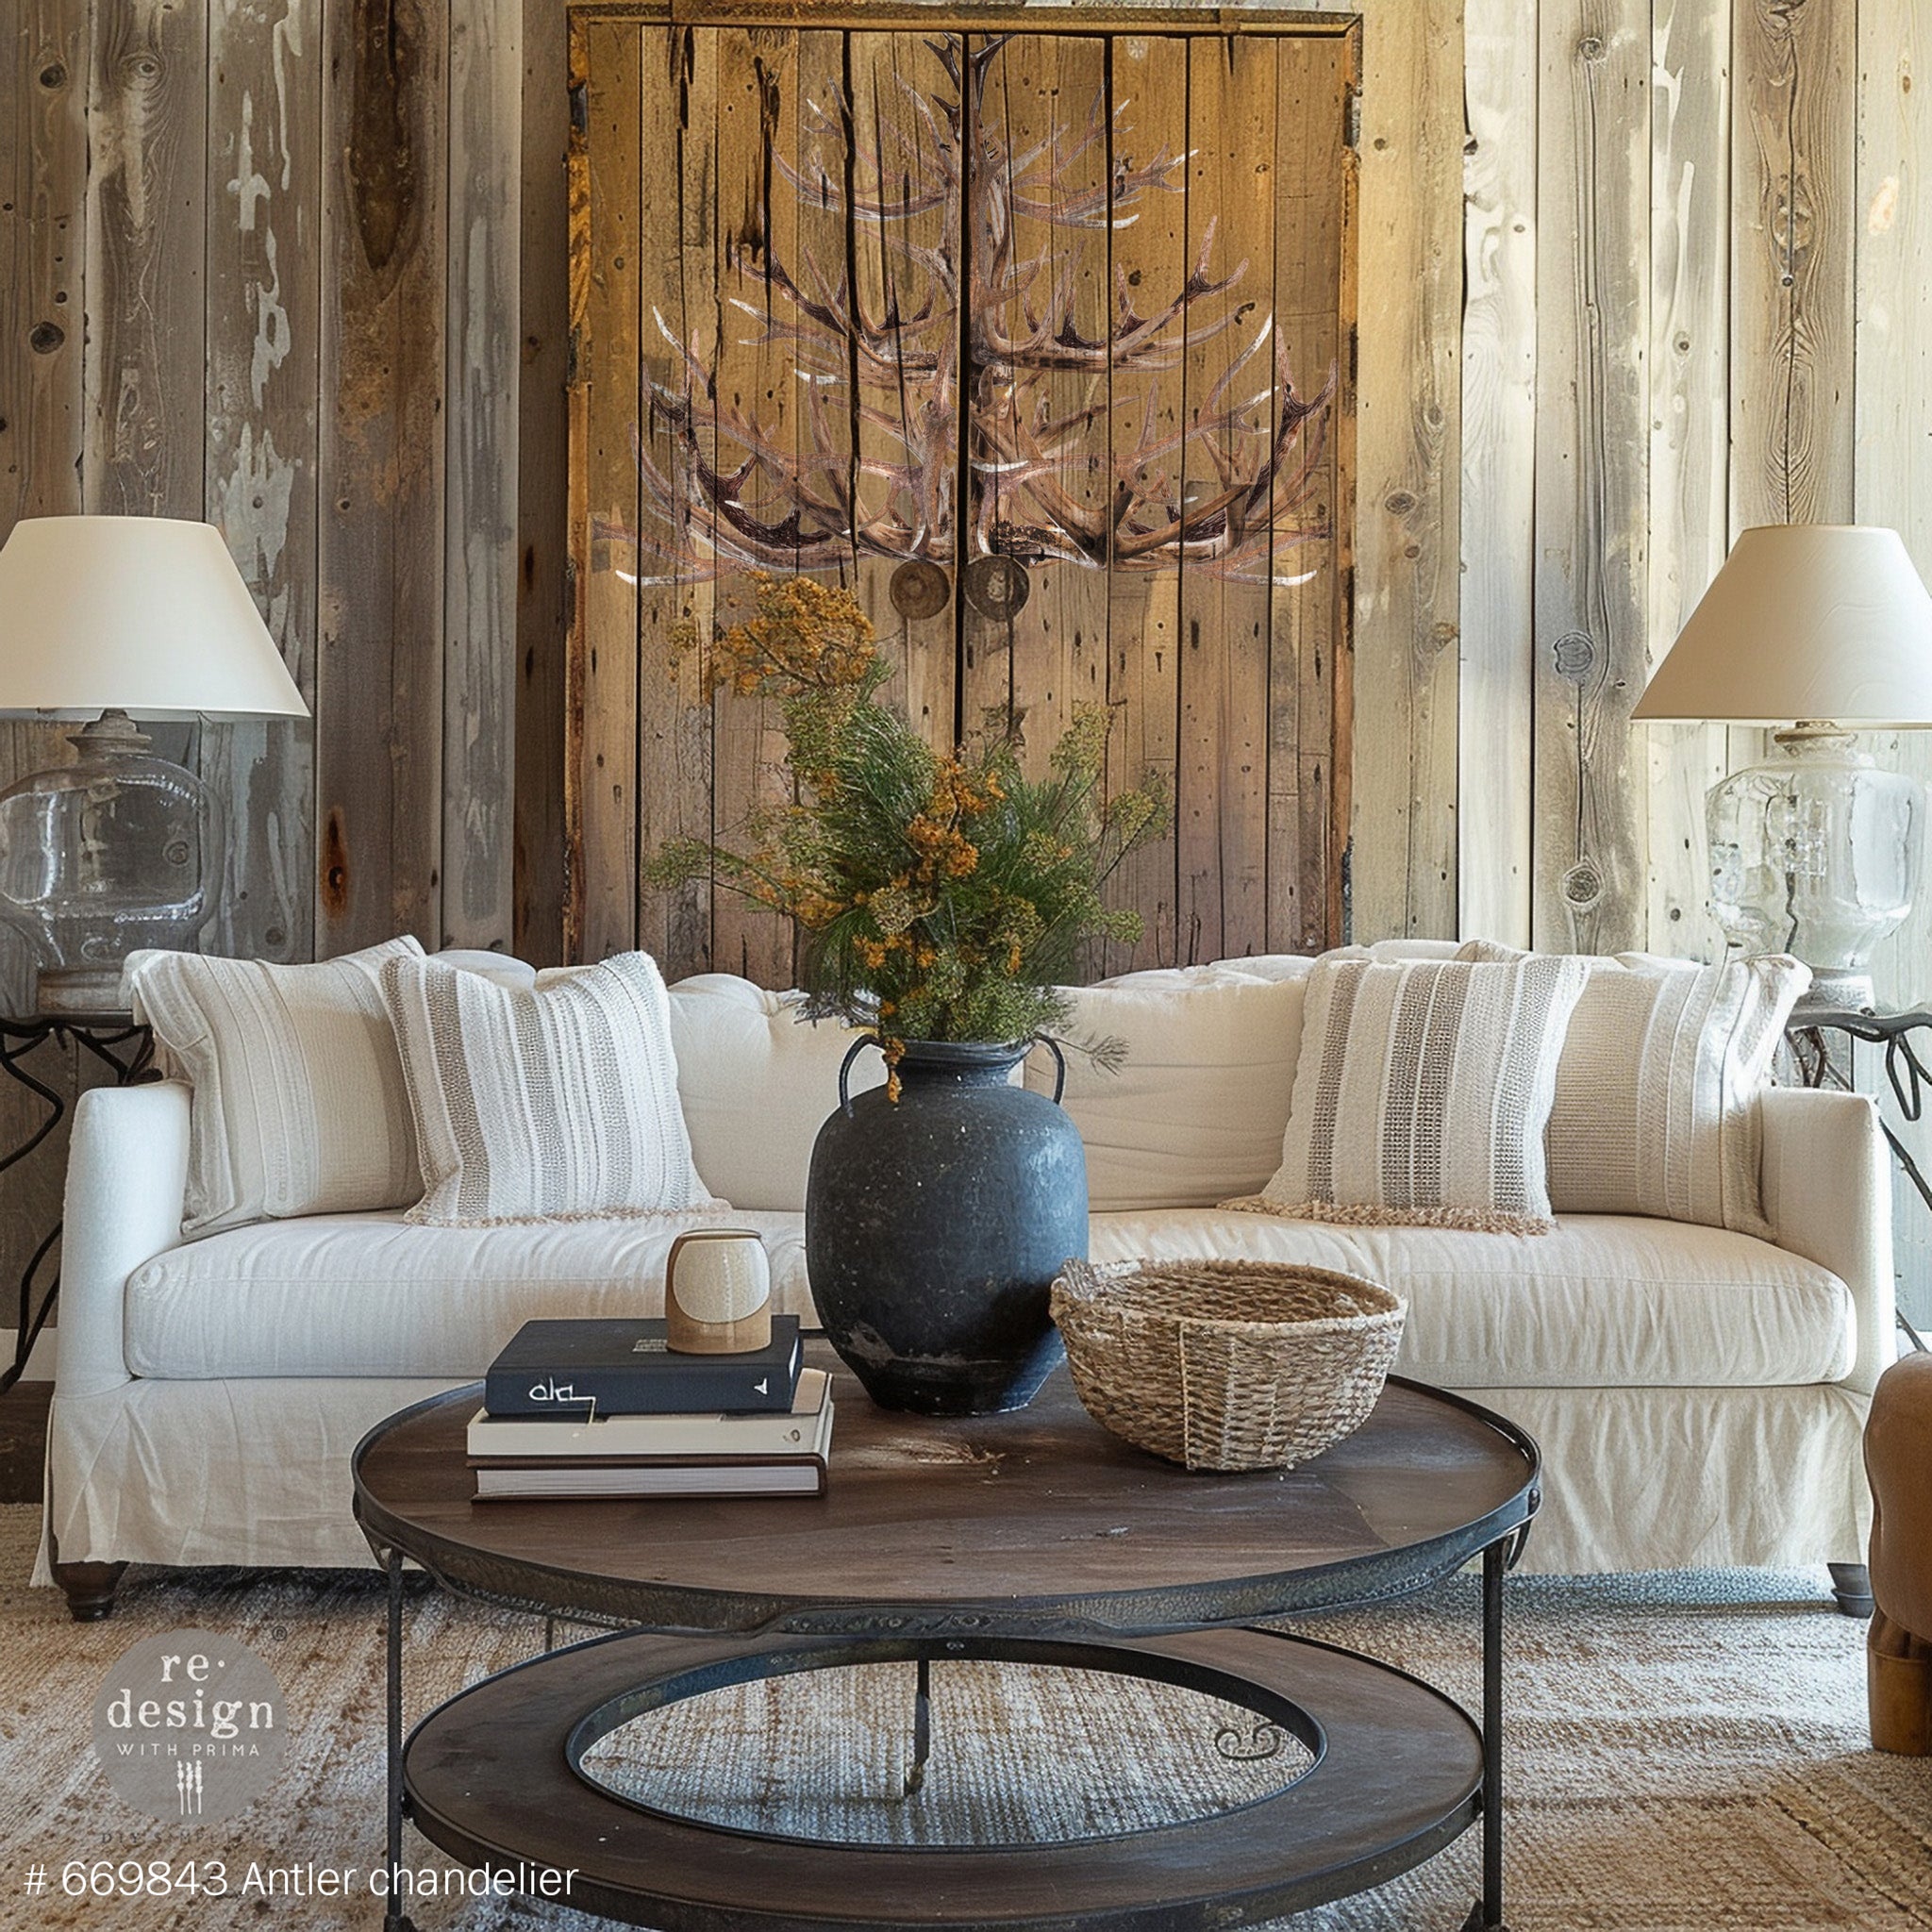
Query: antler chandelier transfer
point(869, 462)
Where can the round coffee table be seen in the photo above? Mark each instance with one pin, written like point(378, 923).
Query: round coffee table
point(1034, 1536)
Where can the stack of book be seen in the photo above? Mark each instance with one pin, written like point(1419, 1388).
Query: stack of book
point(575, 1409)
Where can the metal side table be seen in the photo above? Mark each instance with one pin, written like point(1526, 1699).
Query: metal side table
point(125, 1048)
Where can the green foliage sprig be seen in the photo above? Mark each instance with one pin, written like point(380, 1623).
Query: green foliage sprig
point(939, 894)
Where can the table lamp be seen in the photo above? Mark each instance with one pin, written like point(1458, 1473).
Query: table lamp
point(1823, 630)
point(108, 618)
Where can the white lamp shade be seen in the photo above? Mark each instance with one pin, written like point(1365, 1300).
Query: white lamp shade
point(1804, 622)
point(146, 615)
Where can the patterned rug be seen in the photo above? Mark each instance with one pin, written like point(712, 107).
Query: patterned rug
point(1687, 1753)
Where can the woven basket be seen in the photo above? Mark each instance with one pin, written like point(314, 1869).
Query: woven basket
point(1227, 1364)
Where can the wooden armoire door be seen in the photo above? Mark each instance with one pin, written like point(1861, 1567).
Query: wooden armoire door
point(1064, 317)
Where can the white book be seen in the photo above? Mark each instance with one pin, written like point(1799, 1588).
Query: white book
point(803, 1475)
point(523, 1438)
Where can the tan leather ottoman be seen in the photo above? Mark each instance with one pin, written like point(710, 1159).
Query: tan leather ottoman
point(1898, 1458)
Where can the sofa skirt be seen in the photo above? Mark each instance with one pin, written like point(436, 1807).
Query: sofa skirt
point(257, 1472)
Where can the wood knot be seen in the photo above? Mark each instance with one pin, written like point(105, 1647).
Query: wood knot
point(1590, 48)
point(1582, 886)
point(1573, 654)
point(45, 337)
point(1399, 503)
point(54, 75)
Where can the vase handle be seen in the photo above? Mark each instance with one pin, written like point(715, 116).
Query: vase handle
point(1060, 1060)
point(857, 1047)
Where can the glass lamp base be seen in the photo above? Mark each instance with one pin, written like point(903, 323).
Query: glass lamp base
point(1844, 992)
point(1815, 853)
point(78, 991)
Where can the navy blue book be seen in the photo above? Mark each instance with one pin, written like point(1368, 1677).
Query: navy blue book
point(574, 1368)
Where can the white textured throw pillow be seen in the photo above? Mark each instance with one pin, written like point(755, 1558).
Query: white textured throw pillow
point(1421, 1092)
point(555, 1102)
point(1198, 1105)
point(1656, 1090)
point(299, 1102)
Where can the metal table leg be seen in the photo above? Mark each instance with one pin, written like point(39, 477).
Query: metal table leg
point(922, 1726)
point(395, 1919)
point(1487, 1914)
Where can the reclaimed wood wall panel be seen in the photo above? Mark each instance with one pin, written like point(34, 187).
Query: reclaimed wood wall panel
point(542, 486)
point(1221, 809)
point(1499, 417)
point(1408, 591)
point(264, 341)
point(1891, 223)
point(878, 69)
point(1589, 827)
point(676, 751)
point(625, 87)
point(480, 430)
point(382, 568)
point(1119, 370)
point(1308, 657)
point(752, 221)
point(1690, 431)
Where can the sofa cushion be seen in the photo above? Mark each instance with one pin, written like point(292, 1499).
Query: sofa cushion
point(1196, 1109)
point(298, 1105)
point(1421, 1092)
point(1657, 1090)
point(555, 1102)
point(756, 1083)
point(371, 1295)
point(1600, 1301)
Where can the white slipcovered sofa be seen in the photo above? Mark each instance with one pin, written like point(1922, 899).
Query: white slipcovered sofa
point(1698, 1394)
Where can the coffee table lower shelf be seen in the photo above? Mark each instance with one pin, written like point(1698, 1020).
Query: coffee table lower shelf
point(1398, 1775)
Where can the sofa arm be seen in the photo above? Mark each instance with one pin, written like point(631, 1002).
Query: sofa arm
point(127, 1181)
point(1828, 1194)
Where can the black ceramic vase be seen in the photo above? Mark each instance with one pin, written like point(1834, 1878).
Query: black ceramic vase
point(934, 1228)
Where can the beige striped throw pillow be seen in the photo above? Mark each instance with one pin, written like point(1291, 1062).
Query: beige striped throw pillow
point(1421, 1093)
point(298, 1104)
point(557, 1102)
point(1657, 1090)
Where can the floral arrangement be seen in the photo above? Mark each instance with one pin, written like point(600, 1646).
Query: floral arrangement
point(940, 895)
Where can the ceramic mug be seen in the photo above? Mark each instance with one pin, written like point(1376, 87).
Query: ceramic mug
point(718, 1292)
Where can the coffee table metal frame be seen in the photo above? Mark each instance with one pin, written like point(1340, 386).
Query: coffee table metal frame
point(851, 1632)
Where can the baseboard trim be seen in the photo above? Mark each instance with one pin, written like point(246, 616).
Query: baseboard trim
point(40, 1365)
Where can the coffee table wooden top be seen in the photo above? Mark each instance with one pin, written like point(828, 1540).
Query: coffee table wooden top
point(1038, 1522)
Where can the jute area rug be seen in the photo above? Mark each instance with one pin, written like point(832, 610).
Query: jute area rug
point(1685, 1752)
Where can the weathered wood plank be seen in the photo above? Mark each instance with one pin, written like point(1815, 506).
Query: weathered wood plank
point(1314, 309)
point(1794, 127)
point(480, 428)
point(43, 67)
point(1594, 334)
point(755, 229)
point(1222, 816)
point(147, 133)
point(542, 618)
point(1690, 435)
point(1150, 258)
point(1408, 521)
point(1040, 91)
point(678, 112)
point(264, 343)
point(624, 89)
point(1892, 217)
point(379, 665)
point(1499, 430)
point(882, 427)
